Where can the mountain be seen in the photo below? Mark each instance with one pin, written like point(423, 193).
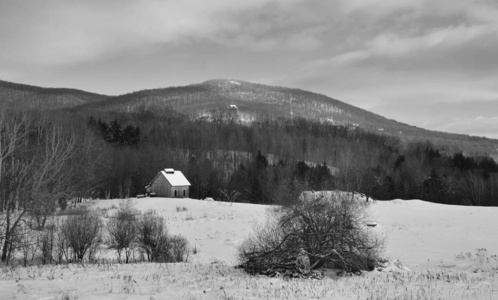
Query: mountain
point(256, 101)
point(21, 96)
point(253, 102)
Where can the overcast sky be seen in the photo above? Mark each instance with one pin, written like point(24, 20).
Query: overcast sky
point(429, 63)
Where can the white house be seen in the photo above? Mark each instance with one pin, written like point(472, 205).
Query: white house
point(169, 183)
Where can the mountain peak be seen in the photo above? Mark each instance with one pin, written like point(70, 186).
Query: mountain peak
point(223, 82)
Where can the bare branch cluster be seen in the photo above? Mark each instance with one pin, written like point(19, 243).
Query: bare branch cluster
point(329, 231)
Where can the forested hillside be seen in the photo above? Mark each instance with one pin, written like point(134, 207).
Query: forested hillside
point(114, 155)
point(251, 102)
point(257, 101)
point(21, 96)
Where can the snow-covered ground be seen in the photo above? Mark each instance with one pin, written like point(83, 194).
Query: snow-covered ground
point(423, 234)
point(420, 234)
point(437, 243)
point(213, 228)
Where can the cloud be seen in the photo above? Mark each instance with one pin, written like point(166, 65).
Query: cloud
point(372, 53)
point(467, 49)
point(62, 32)
point(422, 51)
point(474, 117)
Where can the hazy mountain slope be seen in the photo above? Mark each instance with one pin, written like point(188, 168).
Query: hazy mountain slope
point(256, 100)
point(20, 96)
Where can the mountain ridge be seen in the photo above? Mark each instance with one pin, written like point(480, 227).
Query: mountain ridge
point(23, 96)
point(254, 101)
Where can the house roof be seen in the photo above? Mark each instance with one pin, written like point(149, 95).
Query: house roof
point(175, 178)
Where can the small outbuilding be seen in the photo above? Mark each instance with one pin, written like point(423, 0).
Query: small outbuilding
point(170, 184)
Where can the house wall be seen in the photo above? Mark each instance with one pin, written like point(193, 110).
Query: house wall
point(162, 188)
point(181, 191)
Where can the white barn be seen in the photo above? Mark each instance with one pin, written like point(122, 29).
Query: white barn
point(170, 184)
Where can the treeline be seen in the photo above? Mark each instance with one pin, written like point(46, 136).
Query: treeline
point(114, 133)
point(269, 161)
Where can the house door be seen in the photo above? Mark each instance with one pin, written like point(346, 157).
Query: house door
point(175, 193)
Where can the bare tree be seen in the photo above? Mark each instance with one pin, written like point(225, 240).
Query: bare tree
point(34, 168)
point(229, 195)
point(14, 133)
point(472, 189)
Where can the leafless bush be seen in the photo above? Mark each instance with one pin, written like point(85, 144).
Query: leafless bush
point(153, 239)
point(82, 233)
point(40, 213)
point(46, 243)
point(123, 230)
point(327, 232)
point(61, 249)
point(179, 248)
point(26, 243)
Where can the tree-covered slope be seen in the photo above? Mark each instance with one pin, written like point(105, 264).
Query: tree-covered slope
point(27, 97)
point(258, 101)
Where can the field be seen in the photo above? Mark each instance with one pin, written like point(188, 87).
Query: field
point(435, 252)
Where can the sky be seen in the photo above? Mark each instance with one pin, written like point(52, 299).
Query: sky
point(428, 63)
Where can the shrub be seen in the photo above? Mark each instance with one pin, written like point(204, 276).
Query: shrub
point(179, 249)
point(123, 229)
point(46, 243)
point(326, 232)
point(82, 233)
point(152, 237)
point(154, 240)
point(181, 208)
point(61, 249)
point(40, 213)
point(25, 243)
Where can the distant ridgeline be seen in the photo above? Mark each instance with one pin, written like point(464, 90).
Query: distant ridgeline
point(239, 141)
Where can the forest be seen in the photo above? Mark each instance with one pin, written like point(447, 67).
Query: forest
point(48, 158)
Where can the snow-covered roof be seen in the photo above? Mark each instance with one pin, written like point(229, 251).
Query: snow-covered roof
point(175, 178)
